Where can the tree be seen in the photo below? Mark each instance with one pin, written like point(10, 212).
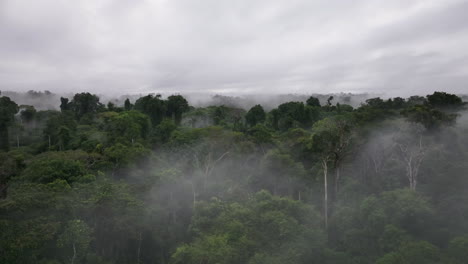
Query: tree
point(278, 171)
point(121, 155)
point(84, 104)
point(261, 135)
point(313, 101)
point(289, 115)
point(330, 141)
point(77, 236)
point(64, 105)
point(429, 117)
point(411, 151)
point(457, 250)
point(444, 100)
point(153, 106)
point(263, 227)
point(127, 105)
point(402, 208)
point(27, 113)
point(8, 109)
point(176, 106)
point(164, 130)
point(256, 115)
point(48, 167)
point(128, 127)
point(420, 252)
point(111, 107)
point(416, 100)
point(59, 130)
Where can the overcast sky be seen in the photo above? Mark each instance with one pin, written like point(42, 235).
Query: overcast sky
point(234, 46)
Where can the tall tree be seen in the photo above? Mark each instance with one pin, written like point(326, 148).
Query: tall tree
point(410, 147)
point(256, 115)
point(27, 113)
point(176, 106)
point(442, 99)
point(153, 106)
point(330, 141)
point(127, 105)
point(8, 109)
point(313, 101)
point(64, 104)
point(85, 103)
point(77, 236)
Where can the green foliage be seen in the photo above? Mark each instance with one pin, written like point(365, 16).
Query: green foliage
point(157, 182)
point(262, 228)
point(50, 166)
point(260, 134)
point(164, 130)
point(256, 115)
point(176, 106)
point(127, 105)
point(403, 208)
point(457, 251)
point(442, 99)
point(76, 237)
point(83, 104)
point(292, 114)
point(413, 253)
point(8, 109)
point(59, 130)
point(313, 101)
point(128, 127)
point(430, 118)
point(153, 106)
point(27, 113)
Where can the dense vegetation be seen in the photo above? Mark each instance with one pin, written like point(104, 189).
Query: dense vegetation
point(159, 181)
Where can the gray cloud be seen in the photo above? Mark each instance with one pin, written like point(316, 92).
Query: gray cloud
point(398, 47)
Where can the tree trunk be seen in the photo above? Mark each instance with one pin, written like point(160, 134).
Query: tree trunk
point(413, 160)
point(194, 194)
point(337, 180)
point(74, 254)
point(325, 187)
point(139, 249)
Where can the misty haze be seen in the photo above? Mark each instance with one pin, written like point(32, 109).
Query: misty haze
point(233, 132)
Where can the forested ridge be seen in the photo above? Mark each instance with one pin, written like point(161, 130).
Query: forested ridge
point(156, 180)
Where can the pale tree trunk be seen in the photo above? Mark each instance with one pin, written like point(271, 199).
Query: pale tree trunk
point(325, 188)
point(139, 249)
point(210, 165)
point(194, 193)
point(74, 254)
point(412, 160)
point(339, 154)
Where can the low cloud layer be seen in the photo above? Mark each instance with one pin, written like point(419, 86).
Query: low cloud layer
point(297, 46)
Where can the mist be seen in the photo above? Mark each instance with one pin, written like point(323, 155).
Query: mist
point(332, 178)
point(233, 132)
